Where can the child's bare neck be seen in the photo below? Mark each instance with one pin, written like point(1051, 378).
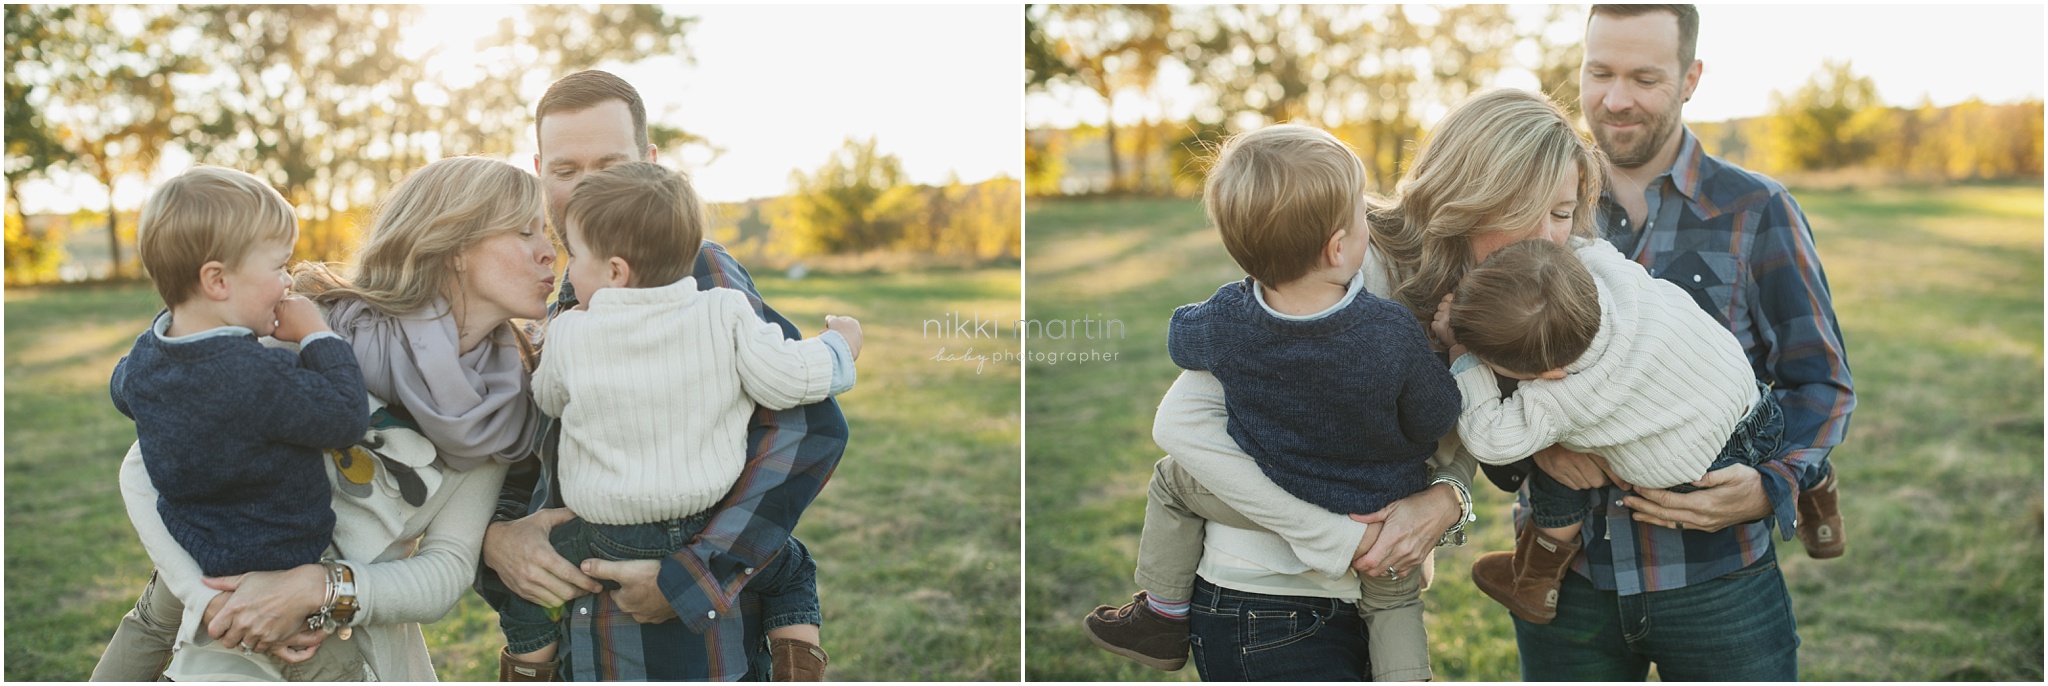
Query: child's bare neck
point(188, 318)
point(1307, 295)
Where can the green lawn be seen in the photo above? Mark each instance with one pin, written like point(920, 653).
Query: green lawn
point(1939, 296)
point(917, 535)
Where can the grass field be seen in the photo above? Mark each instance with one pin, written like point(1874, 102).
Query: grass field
point(1938, 292)
point(917, 535)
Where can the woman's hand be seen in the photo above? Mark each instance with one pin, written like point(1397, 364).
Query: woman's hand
point(1580, 471)
point(1728, 496)
point(1440, 325)
point(266, 607)
point(300, 647)
point(639, 591)
point(1410, 528)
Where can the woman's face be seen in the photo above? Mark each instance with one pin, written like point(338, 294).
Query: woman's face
point(507, 276)
point(1555, 226)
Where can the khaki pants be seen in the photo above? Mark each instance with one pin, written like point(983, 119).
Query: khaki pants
point(1170, 549)
point(142, 644)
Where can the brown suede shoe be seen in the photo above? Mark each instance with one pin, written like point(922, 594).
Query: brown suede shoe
point(1820, 521)
point(511, 669)
point(794, 660)
point(1527, 580)
point(1136, 632)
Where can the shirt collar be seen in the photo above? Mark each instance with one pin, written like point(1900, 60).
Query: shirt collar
point(1350, 294)
point(1689, 167)
point(162, 328)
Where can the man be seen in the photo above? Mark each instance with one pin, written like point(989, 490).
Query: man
point(683, 617)
point(1690, 582)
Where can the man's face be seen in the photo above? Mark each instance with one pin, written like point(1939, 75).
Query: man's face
point(577, 143)
point(1632, 87)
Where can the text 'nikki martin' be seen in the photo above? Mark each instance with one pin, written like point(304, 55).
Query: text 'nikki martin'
point(973, 326)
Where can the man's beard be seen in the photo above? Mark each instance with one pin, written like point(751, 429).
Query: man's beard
point(1647, 140)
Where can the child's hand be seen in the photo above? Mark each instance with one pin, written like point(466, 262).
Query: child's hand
point(1441, 325)
point(849, 328)
point(297, 318)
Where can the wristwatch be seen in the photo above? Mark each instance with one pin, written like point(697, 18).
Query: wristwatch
point(1455, 536)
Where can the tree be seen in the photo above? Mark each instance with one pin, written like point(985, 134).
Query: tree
point(100, 78)
point(1107, 49)
point(1828, 122)
point(854, 202)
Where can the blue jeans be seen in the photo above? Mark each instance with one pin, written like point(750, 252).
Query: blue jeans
point(1735, 628)
point(787, 586)
point(1243, 636)
point(1755, 439)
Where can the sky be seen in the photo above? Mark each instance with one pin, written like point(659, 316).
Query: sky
point(779, 88)
point(1948, 53)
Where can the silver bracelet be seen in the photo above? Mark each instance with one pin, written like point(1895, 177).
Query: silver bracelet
point(1455, 536)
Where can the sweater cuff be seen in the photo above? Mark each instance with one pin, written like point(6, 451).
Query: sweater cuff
point(843, 374)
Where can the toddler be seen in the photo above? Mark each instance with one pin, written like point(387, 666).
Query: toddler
point(1333, 391)
point(233, 430)
point(1615, 363)
point(654, 381)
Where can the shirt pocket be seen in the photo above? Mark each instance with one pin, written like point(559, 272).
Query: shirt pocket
point(1708, 276)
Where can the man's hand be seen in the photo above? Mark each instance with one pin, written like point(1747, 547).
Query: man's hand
point(1580, 471)
point(519, 552)
point(639, 591)
point(1728, 496)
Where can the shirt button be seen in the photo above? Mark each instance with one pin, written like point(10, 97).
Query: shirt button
point(1695, 278)
point(582, 610)
point(750, 570)
point(711, 615)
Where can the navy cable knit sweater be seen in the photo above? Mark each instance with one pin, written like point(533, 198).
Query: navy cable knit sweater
point(232, 434)
point(1342, 411)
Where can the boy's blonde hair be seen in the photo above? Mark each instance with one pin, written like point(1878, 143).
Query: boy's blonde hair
point(207, 214)
point(1529, 308)
point(1278, 194)
point(643, 213)
point(431, 217)
point(1488, 166)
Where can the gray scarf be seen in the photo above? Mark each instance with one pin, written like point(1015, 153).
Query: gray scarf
point(474, 406)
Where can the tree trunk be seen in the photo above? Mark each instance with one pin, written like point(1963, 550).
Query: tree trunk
point(1116, 168)
point(113, 233)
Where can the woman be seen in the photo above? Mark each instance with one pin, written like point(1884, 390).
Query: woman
point(456, 253)
point(1503, 167)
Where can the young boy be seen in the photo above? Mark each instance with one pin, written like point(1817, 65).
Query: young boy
point(1615, 363)
point(234, 430)
point(1333, 391)
point(654, 381)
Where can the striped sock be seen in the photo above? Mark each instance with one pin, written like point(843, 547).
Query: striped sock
point(1167, 608)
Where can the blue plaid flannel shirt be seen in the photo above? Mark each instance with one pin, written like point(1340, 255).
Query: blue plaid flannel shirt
point(1739, 243)
point(717, 634)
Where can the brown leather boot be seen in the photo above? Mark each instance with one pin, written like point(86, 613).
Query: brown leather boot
point(795, 660)
point(1820, 521)
point(1136, 632)
point(1526, 580)
point(513, 669)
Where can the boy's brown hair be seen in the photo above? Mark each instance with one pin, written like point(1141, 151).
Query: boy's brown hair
point(203, 215)
point(1278, 194)
point(643, 213)
point(1529, 308)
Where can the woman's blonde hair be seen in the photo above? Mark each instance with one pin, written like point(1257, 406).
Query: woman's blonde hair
point(1488, 166)
point(431, 217)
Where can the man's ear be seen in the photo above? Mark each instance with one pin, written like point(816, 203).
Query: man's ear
point(213, 280)
point(536, 164)
point(1692, 79)
point(622, 273)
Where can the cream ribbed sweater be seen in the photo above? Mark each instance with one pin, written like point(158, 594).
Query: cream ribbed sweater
point(655, 386)
point(1657, 395)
